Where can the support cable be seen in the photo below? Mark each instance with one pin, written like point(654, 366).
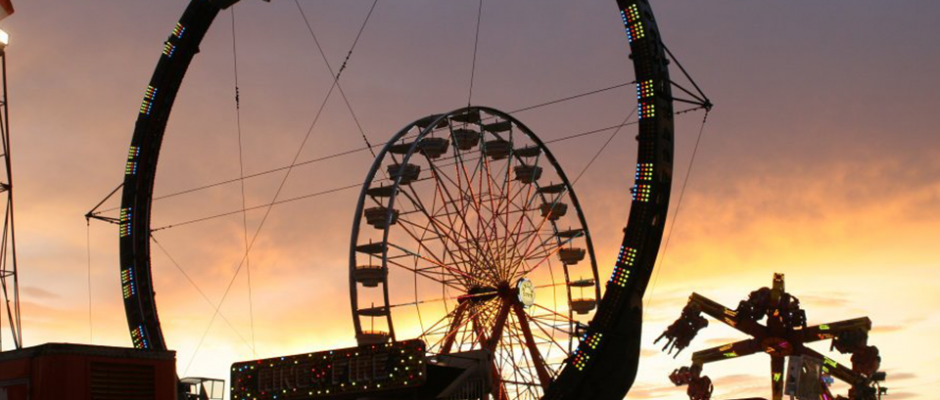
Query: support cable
point(241, 175)
point(343, 67)
point(359, 185)
point(264, 219)
point(601, 150)
point(198, 289)
point(476, 42)
point(96, 214)
point(91, 335)
point(672, 225)
point(705, 102)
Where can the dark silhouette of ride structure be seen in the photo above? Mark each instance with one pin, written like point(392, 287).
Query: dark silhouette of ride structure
point(603, 357)
point(783, 335)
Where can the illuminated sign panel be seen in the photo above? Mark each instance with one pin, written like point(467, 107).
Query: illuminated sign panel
point(352, 371)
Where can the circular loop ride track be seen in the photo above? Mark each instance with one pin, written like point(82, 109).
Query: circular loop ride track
point(604, 364)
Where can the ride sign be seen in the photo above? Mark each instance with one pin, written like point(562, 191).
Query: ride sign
point(335, 373)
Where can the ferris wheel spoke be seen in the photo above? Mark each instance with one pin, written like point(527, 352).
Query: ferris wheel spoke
point(430, 330)
point(566, 318)
point(508, 198)
point(540, 368)
point(465, 240)
point(526, 377)
point(524, 217)
point(460, 165)
point(425, 274)
point(432, 261)
point(510, 250)
point(489, 224)
point(441, 235)
point(531, 239)
point(478, 178)
point(510, 361)
point(436, 261)
point(440, 228)
point(547, 252)
point(516, 230)
point(547, 249)
point(470, 245)
point(549, 336)
point(461, 213)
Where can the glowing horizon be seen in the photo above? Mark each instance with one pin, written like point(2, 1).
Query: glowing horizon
point(819, 162)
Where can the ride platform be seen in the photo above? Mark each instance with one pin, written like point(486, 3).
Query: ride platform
point(395, 370)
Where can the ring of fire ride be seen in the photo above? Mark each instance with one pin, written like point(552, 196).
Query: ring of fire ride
point(784, 334)
point(604, 363)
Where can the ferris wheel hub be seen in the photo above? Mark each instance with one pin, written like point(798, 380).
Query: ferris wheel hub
point(526, 292)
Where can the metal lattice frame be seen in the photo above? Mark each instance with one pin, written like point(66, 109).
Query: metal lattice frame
point(604, 365)
point(9, 277)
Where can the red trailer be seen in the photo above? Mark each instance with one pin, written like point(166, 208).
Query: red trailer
point(59, 371)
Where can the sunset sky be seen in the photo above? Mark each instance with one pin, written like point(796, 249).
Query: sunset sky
point(821, 160)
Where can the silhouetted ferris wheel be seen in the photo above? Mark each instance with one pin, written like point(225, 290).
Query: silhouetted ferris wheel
point(469, 234)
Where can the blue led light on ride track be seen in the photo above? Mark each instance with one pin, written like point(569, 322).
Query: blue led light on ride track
point(631, 20)
point(588, 342)
point(593, 340)
point(149, 96)
point(625, 261)
point(644, 89)
point(620, 277)
point(169, 49)
point(127, 282)
point(579, 359)
point(627, 256)
point(125, 222)
point(131, 167)
point(179, 31)
point(139, 338)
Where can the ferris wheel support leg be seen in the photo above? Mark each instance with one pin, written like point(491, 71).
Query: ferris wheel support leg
point(497, 388)
point(497, 333)
point(544, 377)
point(454, 328)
